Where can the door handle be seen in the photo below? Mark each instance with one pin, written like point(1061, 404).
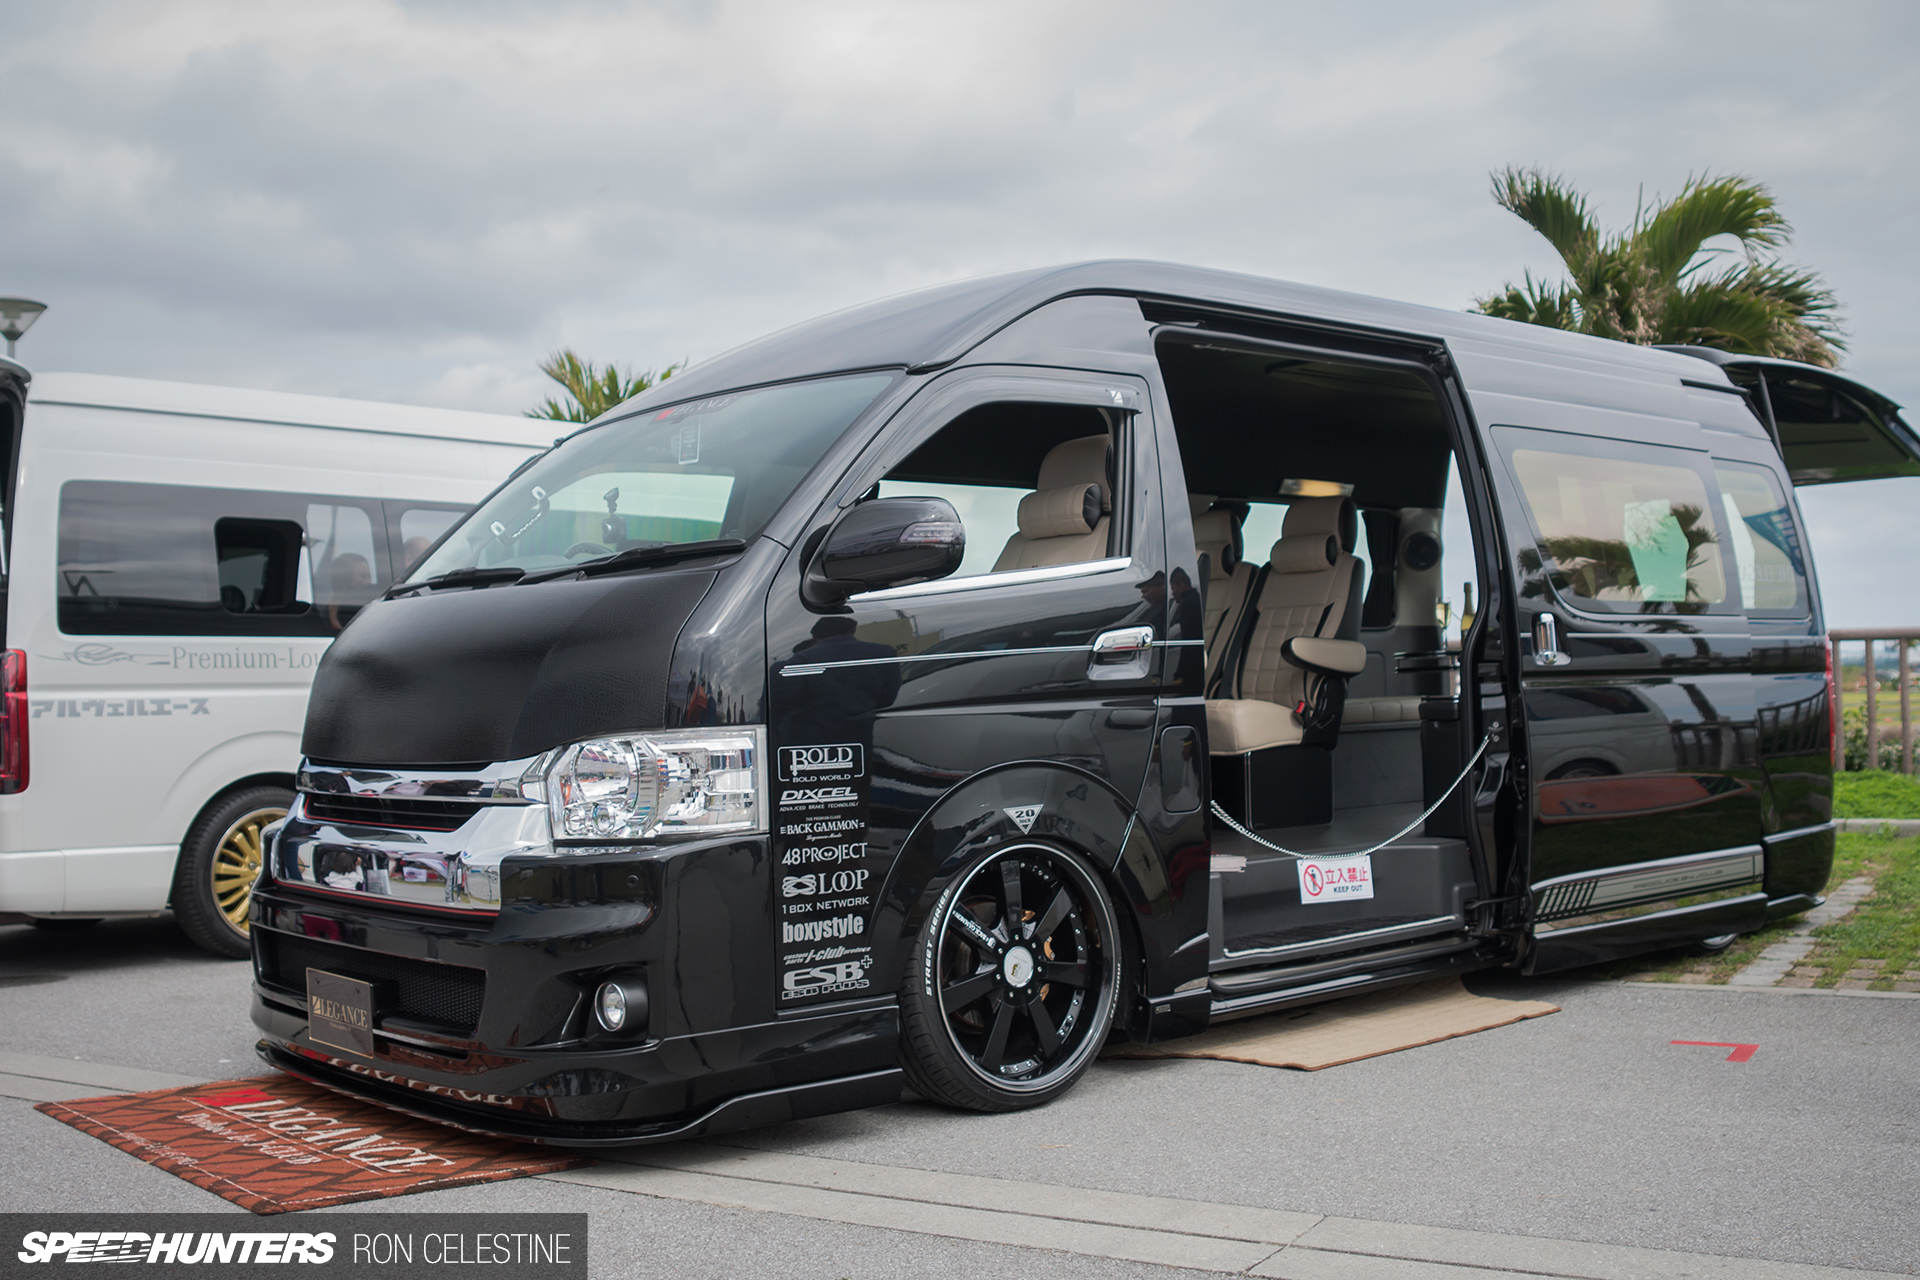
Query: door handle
point(1546, 641)
point(1120, 655)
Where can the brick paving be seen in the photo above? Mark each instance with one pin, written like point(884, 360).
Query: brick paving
point(1779, 965)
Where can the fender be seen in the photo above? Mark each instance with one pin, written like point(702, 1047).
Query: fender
point(1076, 810)
point(249, 756)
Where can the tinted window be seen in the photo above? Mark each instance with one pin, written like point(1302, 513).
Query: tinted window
point(1768, 562)
point(1618, 528)
point(416, 529)
point(148, 559)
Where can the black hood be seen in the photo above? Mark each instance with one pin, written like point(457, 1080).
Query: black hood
point(499, 673)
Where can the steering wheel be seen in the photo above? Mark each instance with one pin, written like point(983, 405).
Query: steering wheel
point(598, 548)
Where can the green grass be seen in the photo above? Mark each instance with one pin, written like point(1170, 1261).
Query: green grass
point(1885, 927)
point(1856, 853)
point(1875, 794)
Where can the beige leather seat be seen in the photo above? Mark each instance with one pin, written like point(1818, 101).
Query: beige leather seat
point(1305, 631)
point(1064, 520)
point(1216, 535)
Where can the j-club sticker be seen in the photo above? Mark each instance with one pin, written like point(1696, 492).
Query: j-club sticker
point(825, 880)
point(1335, 879)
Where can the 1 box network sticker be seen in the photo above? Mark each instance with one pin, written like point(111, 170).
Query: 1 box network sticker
point(1335, 879)
point(826, 875)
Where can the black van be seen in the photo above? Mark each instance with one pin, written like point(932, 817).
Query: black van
point(923, 695)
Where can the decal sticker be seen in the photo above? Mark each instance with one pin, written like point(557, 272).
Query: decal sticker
point(825, 876)
point(1024, 815)
point(1335, 879)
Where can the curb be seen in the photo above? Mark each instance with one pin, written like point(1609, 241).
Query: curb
point(1772, 991)
point(1891, 826)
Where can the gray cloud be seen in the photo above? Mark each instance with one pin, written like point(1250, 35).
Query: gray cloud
point(416, 201)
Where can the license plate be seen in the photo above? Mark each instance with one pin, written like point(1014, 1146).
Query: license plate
point(340, 1012)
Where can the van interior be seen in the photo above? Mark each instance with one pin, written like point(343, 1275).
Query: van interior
point(1318, 487)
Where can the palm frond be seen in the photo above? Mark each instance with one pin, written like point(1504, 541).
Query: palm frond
point(1532, 302)
point(1544, 202)
point(1707, 207)
point(593, 390)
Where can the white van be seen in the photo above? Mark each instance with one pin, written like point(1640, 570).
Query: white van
point(177, 558)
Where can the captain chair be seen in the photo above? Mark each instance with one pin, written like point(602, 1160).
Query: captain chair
point(1064, 520)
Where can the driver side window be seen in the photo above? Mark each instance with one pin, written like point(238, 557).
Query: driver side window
point(1033, 484)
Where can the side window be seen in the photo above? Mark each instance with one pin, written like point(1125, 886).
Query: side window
point(176, 560)
point(1033, 484)
point(1617, 528)
point(413, 529)
point(1769, 562)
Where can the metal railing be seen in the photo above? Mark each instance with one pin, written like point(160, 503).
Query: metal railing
point(1872, 636)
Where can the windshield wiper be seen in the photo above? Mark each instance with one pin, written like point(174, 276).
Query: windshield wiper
point(461, 578)
point(636, 557)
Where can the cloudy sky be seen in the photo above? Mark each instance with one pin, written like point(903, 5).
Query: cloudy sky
point(417, 201)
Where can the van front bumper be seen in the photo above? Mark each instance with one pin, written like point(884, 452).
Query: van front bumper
point(483, 1020)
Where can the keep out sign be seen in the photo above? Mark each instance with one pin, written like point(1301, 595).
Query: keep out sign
point(1335, 879)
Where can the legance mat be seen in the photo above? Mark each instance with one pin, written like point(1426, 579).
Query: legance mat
point(275, 1144)
point(1327, 1035)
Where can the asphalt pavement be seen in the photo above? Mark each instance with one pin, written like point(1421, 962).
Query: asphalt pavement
point(1498, 1151)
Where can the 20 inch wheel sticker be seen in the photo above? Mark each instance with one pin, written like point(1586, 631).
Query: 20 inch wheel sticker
point(824, 878)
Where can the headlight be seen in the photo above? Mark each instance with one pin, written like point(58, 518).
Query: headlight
point(672, 782)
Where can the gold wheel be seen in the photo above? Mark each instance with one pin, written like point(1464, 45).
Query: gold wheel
point(236, 864)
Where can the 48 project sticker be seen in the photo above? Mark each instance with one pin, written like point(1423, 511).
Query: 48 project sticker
point(825, 878)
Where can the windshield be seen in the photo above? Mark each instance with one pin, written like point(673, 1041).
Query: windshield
point(713, 468)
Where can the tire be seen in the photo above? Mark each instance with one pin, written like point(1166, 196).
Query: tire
point(219, 861)
point(1583, 769)
point(999, 1020)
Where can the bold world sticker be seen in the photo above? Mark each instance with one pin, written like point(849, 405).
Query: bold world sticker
point(1335, 879)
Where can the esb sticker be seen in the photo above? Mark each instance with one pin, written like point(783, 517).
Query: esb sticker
point(1335, 879)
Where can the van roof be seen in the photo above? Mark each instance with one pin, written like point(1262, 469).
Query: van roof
point(241, 404)
point(929, 328)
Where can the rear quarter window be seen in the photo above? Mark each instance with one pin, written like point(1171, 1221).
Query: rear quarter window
point(1768, 563)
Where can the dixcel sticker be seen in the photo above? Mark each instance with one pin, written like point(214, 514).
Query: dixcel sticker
point(1335, 879)
point(1024, 815)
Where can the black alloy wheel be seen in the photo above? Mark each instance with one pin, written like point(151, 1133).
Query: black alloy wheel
point(1014, 982)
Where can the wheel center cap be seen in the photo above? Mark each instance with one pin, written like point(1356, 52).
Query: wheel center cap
point(1018, 966)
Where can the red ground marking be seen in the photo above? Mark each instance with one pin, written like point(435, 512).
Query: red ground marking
point(1741, 1052)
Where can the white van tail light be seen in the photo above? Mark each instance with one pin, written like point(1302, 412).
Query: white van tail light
point(13, 721)
point(1834, 735)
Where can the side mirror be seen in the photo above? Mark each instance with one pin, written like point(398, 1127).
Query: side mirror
point(888, 542)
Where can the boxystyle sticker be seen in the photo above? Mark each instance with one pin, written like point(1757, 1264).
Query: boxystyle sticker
point(1335, 879)
point(825, 878)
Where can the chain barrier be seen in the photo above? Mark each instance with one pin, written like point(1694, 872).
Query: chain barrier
point(1222, 814)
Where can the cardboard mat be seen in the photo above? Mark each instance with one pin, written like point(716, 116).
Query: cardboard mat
point(275, 1144)
point(1326, 1035)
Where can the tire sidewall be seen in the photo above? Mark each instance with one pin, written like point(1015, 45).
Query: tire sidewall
point(194, 906)
point(953, 1077)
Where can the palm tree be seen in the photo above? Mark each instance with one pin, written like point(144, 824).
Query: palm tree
point(593, 391)
point(1652, 282)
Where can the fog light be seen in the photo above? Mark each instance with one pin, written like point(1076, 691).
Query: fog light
point(620, 1005)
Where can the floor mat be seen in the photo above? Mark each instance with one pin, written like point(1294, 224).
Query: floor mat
point(1327, 1035)
point(275, 1144)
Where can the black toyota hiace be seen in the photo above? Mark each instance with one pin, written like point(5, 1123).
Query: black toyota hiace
point(924, 695)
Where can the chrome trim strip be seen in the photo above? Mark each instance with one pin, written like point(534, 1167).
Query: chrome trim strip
point(1641, 886)
point(1323, 943)
point(1799, 833)
point(1652, 911)
point(1010, 578)
point(814, 669)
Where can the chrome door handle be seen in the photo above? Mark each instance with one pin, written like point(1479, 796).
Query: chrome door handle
point(1121, 655)
point(1546, 641)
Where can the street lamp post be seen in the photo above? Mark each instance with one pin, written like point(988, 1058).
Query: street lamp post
point(16, 317)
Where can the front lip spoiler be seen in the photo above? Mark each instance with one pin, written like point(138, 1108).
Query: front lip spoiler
point(748, 1111)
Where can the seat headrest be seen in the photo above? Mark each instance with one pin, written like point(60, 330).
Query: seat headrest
point(1198, 504)
point(1082, 461)
point(1304, 553)
point(1322, 515)
point(1058, 513)
point(1217, 534)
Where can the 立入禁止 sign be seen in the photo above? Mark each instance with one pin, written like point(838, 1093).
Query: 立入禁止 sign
point(1335, 879)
